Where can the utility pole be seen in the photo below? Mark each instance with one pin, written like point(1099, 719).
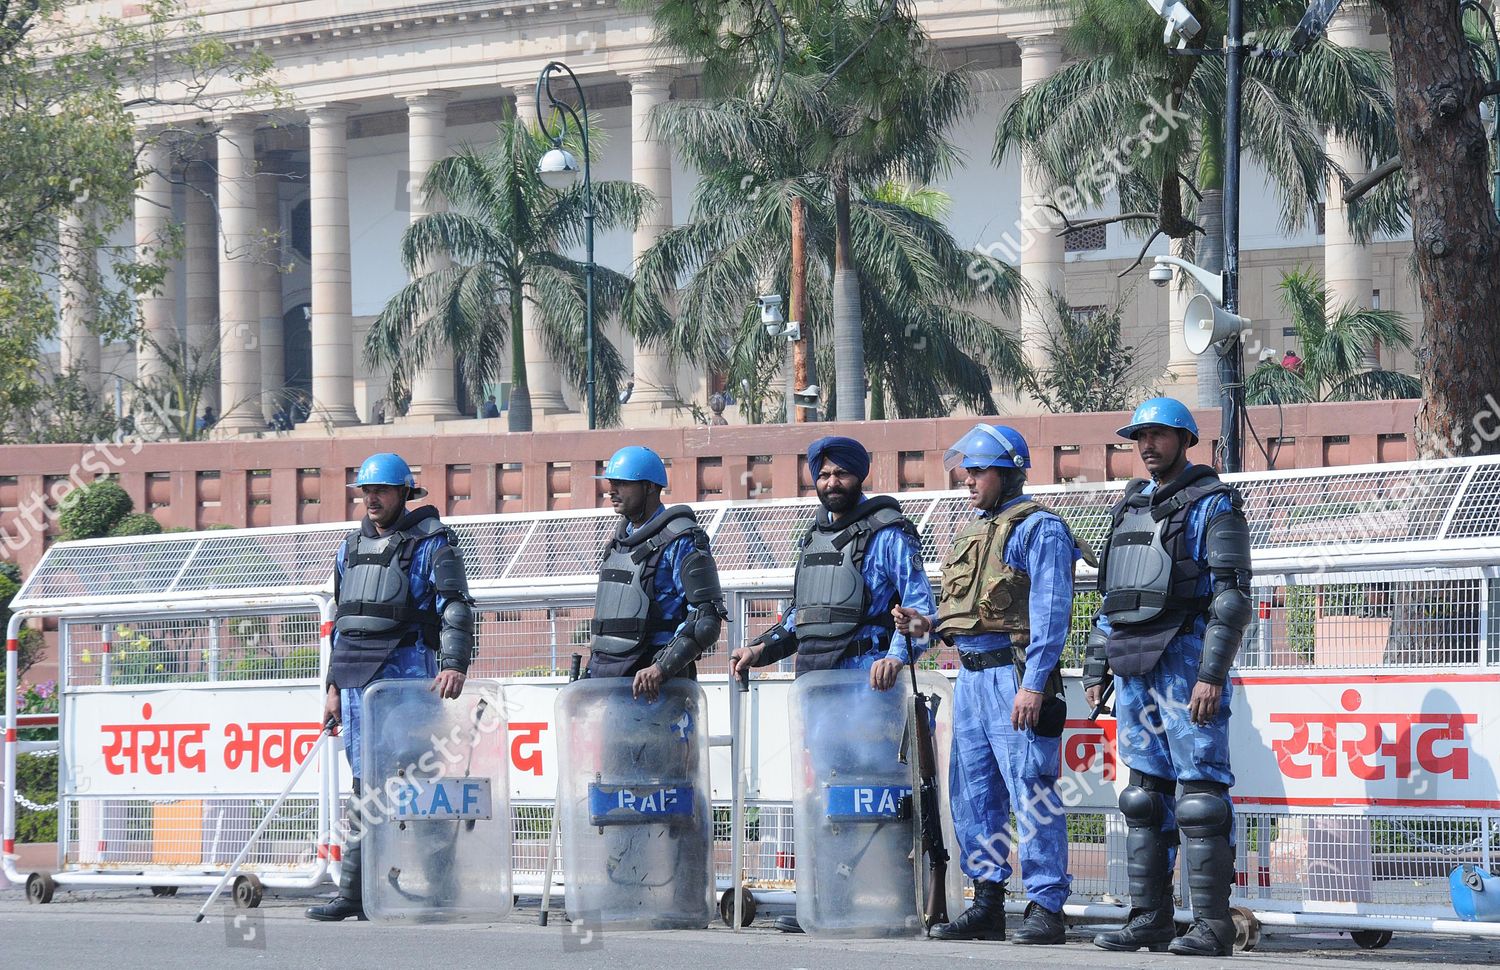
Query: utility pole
point(1232, 359)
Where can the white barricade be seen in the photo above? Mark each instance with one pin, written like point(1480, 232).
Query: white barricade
point(1365, 754)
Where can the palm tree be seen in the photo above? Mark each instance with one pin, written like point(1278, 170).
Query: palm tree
point(1075, 121)
point(866, 98)
point(1335, 342)
point(927, 340)
point(506, 235)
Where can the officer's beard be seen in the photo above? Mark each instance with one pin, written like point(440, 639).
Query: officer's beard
point(839, 503)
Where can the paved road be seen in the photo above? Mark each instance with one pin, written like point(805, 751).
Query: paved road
point(129, 930)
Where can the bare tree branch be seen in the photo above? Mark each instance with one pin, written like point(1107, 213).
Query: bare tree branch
point(1380, 173)
point(1142, 255)
point(1070, 226)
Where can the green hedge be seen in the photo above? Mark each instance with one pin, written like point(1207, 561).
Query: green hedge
point(92, 510)
point(136, 524)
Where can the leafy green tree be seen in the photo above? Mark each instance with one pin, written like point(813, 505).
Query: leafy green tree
point(930, 340)
point(1089, 365)
point(1334, 343)
point(1133, 118)
point(71, 85)
point(860, 89)
point(507, 235)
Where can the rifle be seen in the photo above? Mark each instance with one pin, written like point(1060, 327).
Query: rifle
point(922, 807)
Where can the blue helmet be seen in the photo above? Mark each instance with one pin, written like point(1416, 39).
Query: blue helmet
point(634, 463)
point(989, 446)
point(1162, 412)
point(388, 469)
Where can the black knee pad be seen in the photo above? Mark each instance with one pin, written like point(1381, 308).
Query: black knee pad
point(1205, 813)
point(1142, 808)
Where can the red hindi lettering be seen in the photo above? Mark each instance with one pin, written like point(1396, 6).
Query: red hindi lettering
point(527, 733)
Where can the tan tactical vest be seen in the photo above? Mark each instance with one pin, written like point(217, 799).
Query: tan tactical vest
point(980, 593)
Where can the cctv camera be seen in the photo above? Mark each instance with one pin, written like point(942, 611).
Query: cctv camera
point(770, 313)
point(1160, 275)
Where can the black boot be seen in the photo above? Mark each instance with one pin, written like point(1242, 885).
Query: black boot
point(1205, 819)
point(350, 900)
point(1149, 928)
point(1146, 845)
point(985, 920)
point(1040, 927)
point(788, 924)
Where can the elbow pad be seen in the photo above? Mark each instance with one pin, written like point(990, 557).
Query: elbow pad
point(1228, 541)
point(1228, 616)
point(456, 641)
point(1095, 658)
point(778, 643)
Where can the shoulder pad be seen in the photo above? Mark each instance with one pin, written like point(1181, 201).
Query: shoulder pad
point(891, 515)
point(679, 512)
point(430, 526)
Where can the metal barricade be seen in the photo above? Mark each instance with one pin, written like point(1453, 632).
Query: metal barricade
point(1365, 755)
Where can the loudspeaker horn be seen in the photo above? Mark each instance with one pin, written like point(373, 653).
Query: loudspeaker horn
point(1205, 323)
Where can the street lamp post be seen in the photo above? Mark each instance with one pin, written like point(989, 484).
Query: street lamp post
point(558, 169)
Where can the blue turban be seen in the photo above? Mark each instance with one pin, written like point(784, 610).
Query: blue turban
point(846, 453)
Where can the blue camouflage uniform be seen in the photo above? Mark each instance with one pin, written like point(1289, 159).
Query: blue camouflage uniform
point(412, 660)
point(668, 594)
point(892, 569)
point(995, 768)
point(1156, 735)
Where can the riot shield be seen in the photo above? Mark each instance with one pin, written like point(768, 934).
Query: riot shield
point(851, 803)
point(635, 811)
point(437, 810)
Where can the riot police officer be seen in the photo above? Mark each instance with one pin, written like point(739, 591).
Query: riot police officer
point(860, 557)
point(404, 611)
point(1175, 576)
point(658, 606)
point(1006, 604)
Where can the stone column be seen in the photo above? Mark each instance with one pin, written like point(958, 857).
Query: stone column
point(542, 377)
point(239, 272)
point(201, 267)
point(651, 167)
point(79, 352)
point(153, 217)
point(1041, 248)
point(1347, 266)
point(427, 117)
point(1182, 363)
point(272, 349)
point(332, 298)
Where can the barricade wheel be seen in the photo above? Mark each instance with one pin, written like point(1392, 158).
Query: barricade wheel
point(1246, 928)
point(39, 888)
point(248, 892)
point(163, 891)
point(1371, 939)
point(726, 907)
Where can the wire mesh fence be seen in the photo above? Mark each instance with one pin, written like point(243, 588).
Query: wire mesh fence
point(192, 834)
point(203, 649)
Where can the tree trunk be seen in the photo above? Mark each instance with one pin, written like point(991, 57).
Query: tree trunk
point(518, 414)
point(1445, 159)
point(797, 311)
point(848, 329)
point(1210, 255)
